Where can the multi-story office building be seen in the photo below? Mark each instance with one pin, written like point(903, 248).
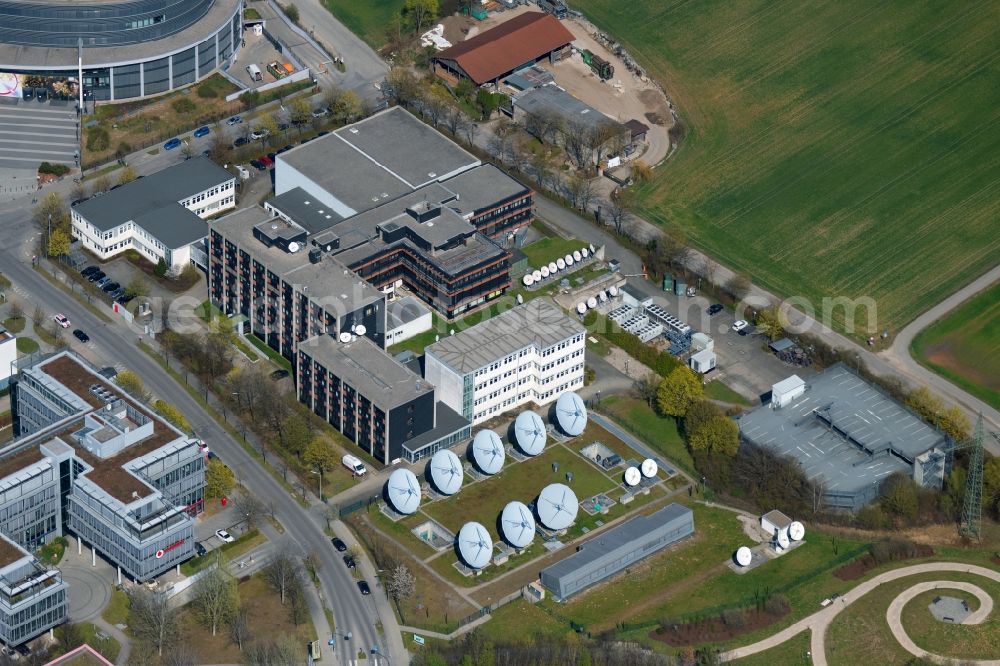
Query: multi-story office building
point(162, 215)
point(33, 597)
point(531, 353)
point(91, 460)
point(375, 401)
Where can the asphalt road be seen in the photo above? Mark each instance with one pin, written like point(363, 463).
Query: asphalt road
point(116, 345)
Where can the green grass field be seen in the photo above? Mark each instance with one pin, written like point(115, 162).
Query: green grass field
point(846, 149)
point(661, 433)
point(546, 250)
point(368, 20)
point(964, 347)
point(976, 641)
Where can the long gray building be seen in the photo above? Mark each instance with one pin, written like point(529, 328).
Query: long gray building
point(33, 597)
point(610, 552)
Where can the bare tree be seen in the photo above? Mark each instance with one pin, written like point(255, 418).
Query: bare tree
point(471, 129)
point(298, 605)
point(580, 190)
point(251, 507)
point(282, 572)
point(576, 141)
point(401, 585)
point(215, 596)
point(239, 626)
point(738, 285)
point(285, 652)
point(621, 204)
point(668, 250)
point(152, 619)
point(181, 654)
point(646, 388)
point(37, 316)
point(251, 388)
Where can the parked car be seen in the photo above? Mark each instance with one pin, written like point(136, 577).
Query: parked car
point(225, 536)
point(89, 270)
point(363, 586)
point(202, 131)
point(173, 143)
point(94, 277)
point(739, 325)
point(61, 319)
point(103, 281)
point(259, 134)
point(319, 113)
point(28, 94)
point(124, 298)
point(338, 544)
point(235, 120)
point(80, 335)
point(266, 161)
point(199, 548)
point(42, 94)
point(241, 141)
point(715, 308)
point(117, 293)
point(110, 287)
point(349, 562)
point(257, 164)
point(278, 375)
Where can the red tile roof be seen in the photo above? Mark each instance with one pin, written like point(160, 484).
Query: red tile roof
point(520, 40)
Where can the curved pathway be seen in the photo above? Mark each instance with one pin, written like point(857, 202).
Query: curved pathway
point(819, 621)
point(895, 611)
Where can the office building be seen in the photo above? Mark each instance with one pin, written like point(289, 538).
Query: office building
point(8, 356)
point(33, 597)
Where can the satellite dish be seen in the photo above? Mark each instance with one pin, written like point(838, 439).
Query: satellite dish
point(782, 540)
point(592, 248)
point(603, 296)
point(571, 413)
point(545, 271)
point(475, 545)
point(520, 299)
point(577, 255)
point(632, 476)
point(583, 253)
point(569, 260)
point(743, 556)
point(345, 337)
point(527, 280)
point(487, 451)
point(518, 524)
point(446, 472)
point(560, 264)
point(613, 290)
point(553, 267)
point(796, 531)
point(591, 302)
point(360, 330)
point(557, 506)
point(529, 430)
point(403, 491)
point(536, 275)
point(293, 247)
point(581, 308)
point(649, 468)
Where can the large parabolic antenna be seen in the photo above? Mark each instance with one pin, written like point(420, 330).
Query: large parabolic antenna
point(648, 468)
point(446, 472)
point(557, 506)
point(487, 451)
point(475, 545)
point(571, 414)
point(632, 476)
point(518, 524)
point(529, 428)
point(403, 491)
point(743, 556)
point(796, 531)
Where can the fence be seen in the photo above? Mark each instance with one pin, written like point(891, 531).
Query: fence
point(488, 610)
point(300, 75)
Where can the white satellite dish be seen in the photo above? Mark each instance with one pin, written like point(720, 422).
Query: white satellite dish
point(446, 472)
point(743, 556)
point(584, 253)
point(577, 255)
point(591, 302)
point(345, 337)
point(649, 468)
point(536, 275)
point(475, 545)
point(581, 308)
point(529, 429)
point(571, 413)
point(545, 271)
point(783, 540)
point(403, 491)
point(632, 476)
point(796, 531)
point(361, 330)
point(560, 264)
point(557, 506)
point(520, 299)
point(553, 267)
point(487, 451)
point(527, 280)
point(518, 524)
point(293, 247)
point(592, 248)
point(569, 260)
point(603, 296)
point(613, 290)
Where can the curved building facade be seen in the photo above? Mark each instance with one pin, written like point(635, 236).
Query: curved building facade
point(130, 49)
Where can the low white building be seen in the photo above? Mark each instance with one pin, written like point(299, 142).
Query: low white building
point(531, 353)
point(404, 318)
point(162, 216)
point(8, 356)
point(703, 361)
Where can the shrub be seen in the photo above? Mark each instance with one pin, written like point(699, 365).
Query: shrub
point(54, 169)
point(733, 617)
point(161, 268)
point(172, 414)
point(872, 517)
point(777, 604)
point(892, 549)
point(98, 139)
point(207, 91)
point(292, 12)
point(124, 148)
point(183, 105)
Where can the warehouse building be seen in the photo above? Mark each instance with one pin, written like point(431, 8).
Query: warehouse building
point(92, 461)
point(161, 215)
point(575, 118)
point(847, 435)
point(531, 353)
point(33, 597)
point(612, 551)
point(496, 53)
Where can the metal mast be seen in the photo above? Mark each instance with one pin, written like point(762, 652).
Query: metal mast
point(972, 506)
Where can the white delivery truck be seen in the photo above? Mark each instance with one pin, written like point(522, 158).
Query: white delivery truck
point(355, 465)
point(254, 72)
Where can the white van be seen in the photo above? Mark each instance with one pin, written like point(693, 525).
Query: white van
point(355, 465)
point(254, 72)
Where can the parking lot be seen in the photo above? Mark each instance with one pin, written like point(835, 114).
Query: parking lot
point(259, 51)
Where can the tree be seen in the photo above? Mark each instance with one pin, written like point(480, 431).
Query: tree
point(281, 572)
point(420, 13)
point(678, 391)
point(127, 175)
point(298, 607)
point(219, 479)
point(131, 384)
point(738, 286)
point(268, 123)
point(299, 112)
point(400, 585)
point(346, 107)
point(59, 243)
point(647, 388)
point(251, 507)
point(161, 268)
point(464, 89)
point(216, 597)
point(137, 287)
point(250, 99)
point(152, 618)
point(173, 415)
point(321, 457)
point(669, 249)
point(769, 323)
point(37, 316)
point(69, 636)
point(239, 626)
point(181, 654)
point(102, 183)
point(51, 205)
point(899, 496)
point(296, 435)
point(580, 189)
point(251, 388)
point(576, 145)
point(488, 102)
point(699, 414)
point(292, 12)
point(15, 311)
point(274, 414)
point(954, 423)
point(285, 652)
point(402, 86)
point(719, 435)
point(641, 172)
point(622, 202)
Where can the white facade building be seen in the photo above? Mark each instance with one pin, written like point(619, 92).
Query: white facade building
point(531, 353)
point(161, 216)
point(8, 356)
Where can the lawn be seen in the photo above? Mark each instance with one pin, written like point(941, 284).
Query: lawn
point(368, 20)
point(542, 252)
point(792, 652)
point(976, 641)
point(660, 433)
point(26, 345)
point(14, 325)
point(244, 544)
point(117, 610)
point(523, 622)
point(844, 149)
point(964, 346)
point(716, 390)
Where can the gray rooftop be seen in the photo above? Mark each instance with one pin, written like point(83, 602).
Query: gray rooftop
point(303, 209)
point(607, 542)
point(174, 225)
point(446, 422)
point(538, 322)
point(369, 370)
point(157, 190)
point(553, 99)
point(481, 188)
point(403, 311)
point(871, 436)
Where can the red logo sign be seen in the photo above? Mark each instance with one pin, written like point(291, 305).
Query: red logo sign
point(176, 544)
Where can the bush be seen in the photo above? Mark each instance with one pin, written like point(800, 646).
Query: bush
point(733, 617)
point(54, 169)
point(292, 12)
point(98, 139)
point(872, 517)
point(183, 105)
point(124, 148)
point(172, 414)
point(161, 268)
point(892, 549)
point(207, 91)
point(777, 604)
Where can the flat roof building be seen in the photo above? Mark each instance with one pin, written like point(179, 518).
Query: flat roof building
point(847, 435)
point(33, 597)
point(607, 553)
point(576, 117)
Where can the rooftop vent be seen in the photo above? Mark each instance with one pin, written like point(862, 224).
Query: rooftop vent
point(353, 130)
point(431, 174)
